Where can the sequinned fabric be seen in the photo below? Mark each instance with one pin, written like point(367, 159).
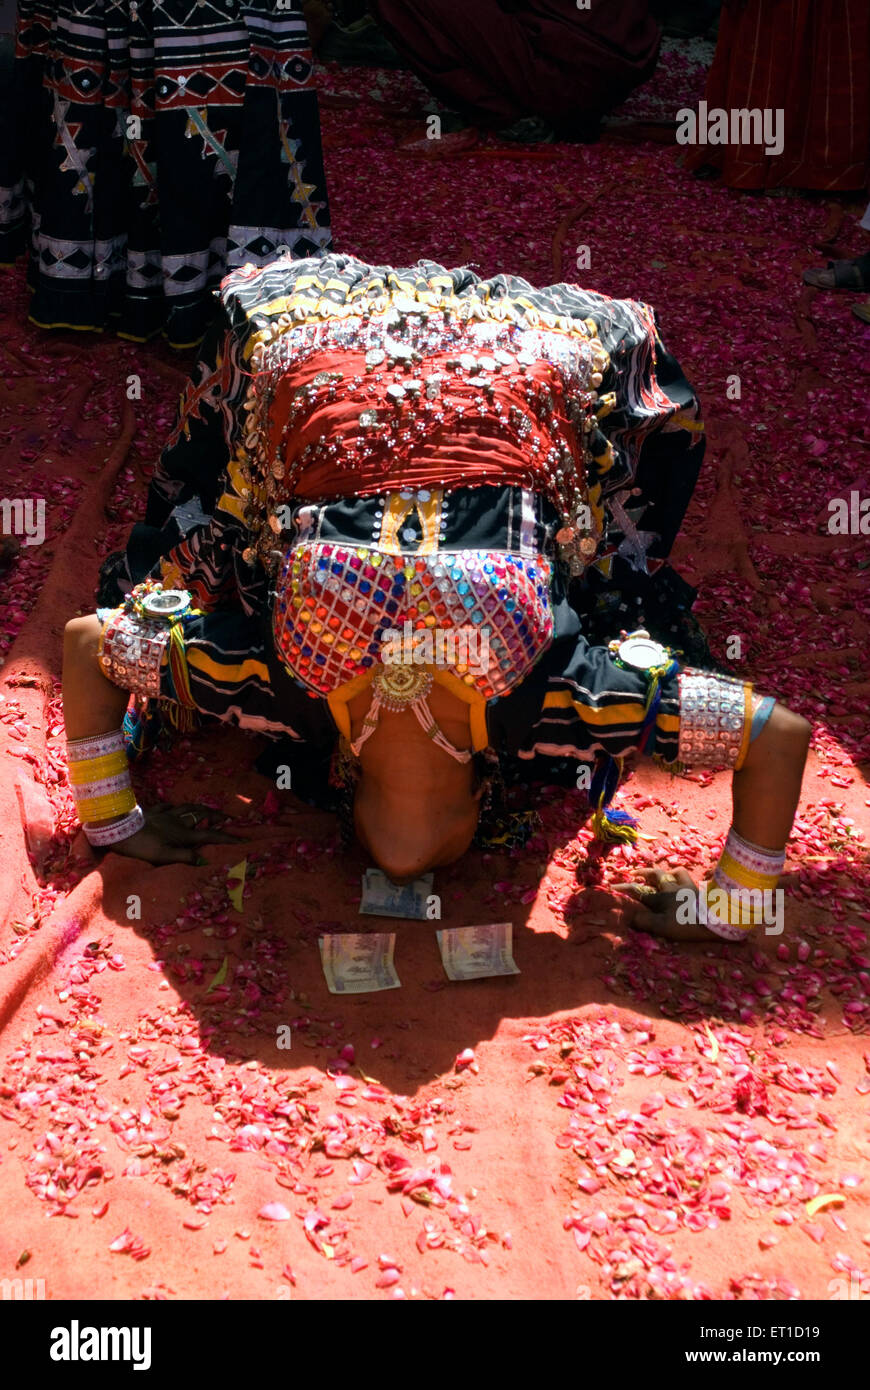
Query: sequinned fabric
point(335, 605)
point(639, 467)
point(713, 719)
point(406, 386)
point(132, 651)
point(418, 398)
point(644, 456)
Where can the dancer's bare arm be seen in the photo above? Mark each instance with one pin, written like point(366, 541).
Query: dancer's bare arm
point(93, 705)
point(765, 794)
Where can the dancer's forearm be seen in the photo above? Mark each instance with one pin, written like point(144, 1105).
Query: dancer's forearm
point(93, 711)
point(766, 790)
point(91, 703)
point(765, 794)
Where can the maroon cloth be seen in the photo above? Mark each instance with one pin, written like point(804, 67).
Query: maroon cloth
point(811, 58)
point(496, 61)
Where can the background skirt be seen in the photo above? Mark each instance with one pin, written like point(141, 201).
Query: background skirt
point(497, 61)
point(810, 59)
point(149, 148)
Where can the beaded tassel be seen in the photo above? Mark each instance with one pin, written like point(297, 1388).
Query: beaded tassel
point(611, 826)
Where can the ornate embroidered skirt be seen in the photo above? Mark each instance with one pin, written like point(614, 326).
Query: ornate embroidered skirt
point(152, 146)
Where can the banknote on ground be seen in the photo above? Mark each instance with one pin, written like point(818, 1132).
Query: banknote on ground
point(381, 898)
point(472, 953)
point(358, 963)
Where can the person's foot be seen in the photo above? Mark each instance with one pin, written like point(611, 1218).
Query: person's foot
point(362, 44)
point(528, 130)
point(862, 311)
point(450, 122)
point(840, 275)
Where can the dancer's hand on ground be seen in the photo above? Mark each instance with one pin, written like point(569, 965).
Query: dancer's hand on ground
point(173, 834)
point(653, 905)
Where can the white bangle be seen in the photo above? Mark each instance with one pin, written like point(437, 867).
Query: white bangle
point(112, 834)
point(97, 746)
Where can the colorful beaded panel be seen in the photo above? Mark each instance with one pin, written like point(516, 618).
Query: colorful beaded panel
point(336, 605)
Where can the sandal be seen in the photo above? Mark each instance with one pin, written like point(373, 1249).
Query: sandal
point(841, 275)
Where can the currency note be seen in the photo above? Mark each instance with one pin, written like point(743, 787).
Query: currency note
point(381, 898)
point(357, 963)
point(472, 953)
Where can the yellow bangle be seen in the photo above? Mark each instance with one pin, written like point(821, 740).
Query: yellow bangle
point(97, 808)
point(743, 877)
point(97, 769)
point(734, 906)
